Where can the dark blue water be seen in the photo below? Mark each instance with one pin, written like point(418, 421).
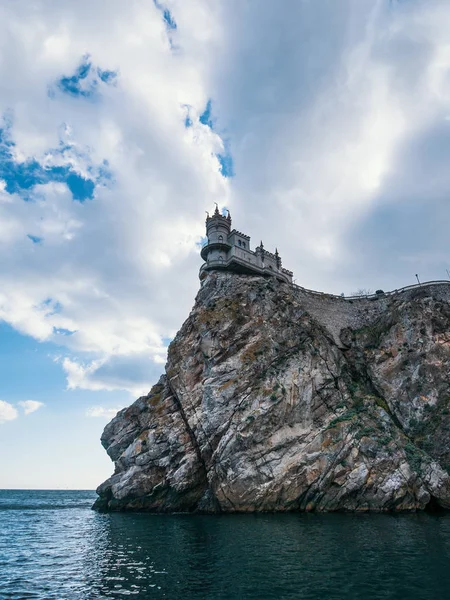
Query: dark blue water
point(52, 546)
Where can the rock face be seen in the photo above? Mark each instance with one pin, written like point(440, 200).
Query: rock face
point(275, 399)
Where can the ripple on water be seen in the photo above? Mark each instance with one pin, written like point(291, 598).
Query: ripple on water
point(52, 546)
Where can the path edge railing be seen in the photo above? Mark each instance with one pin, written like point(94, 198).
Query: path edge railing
point(375, 295)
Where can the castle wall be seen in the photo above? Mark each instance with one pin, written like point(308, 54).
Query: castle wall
point(216, 254)
point(270, 261)
point(235, 237)
point(243, 254)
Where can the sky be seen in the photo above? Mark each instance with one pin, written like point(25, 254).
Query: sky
point(322, 125)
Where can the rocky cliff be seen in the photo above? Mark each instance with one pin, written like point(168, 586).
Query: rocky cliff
point(275, 399)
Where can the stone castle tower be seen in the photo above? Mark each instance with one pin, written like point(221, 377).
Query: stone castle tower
point(229, 249)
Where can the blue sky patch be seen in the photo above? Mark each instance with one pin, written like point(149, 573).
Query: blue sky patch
point(170, 22)
point(226, 164)
point(225, 159)
point(34, 238)
point(21, 177)
point(107, 76)
point(73, 84)
point(81, 188)
point(84, 82)
point(44, 376)
point(54, 307)
point(205, 117)
point(166, 14)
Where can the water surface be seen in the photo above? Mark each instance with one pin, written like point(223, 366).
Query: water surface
point(52, 546)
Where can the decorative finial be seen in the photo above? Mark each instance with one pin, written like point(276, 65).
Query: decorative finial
point(262, 245)
point(216, 212)
point(228, 215)
point(207, 214)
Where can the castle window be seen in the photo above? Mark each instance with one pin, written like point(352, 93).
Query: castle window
point(239, 242)
point(220, 258)
point(220, 238)
point(243, 244)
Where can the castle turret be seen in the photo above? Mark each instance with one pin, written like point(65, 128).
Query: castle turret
point(217, 231)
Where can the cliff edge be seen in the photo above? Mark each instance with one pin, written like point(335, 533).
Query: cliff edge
point(275, 399)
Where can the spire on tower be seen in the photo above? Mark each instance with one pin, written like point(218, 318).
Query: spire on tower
point(228, 215)
point(277, 258)
point(216, 212)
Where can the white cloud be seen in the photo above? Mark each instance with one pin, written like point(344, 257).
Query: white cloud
point(319, 110)
point(100, 411)
point(7, 412)
point(116, 275)
point(322, 107)
point(30, 406)
point(134, 373)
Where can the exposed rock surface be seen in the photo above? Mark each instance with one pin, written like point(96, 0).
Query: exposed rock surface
point(275, 400)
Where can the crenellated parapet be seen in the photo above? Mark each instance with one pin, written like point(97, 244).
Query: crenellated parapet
point(268, 254)
point(242, 235)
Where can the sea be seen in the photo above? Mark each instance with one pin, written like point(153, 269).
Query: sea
point(53, 546)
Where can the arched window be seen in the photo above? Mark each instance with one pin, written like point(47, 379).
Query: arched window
point(221, 259)
point(239, 242)
point(243, 244)
point(220, 238)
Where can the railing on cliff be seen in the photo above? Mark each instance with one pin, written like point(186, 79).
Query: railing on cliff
point(375, 296)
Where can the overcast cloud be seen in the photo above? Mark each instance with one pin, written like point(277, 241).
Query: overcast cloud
point(324, 126)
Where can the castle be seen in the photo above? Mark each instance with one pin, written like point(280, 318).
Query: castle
point(229, 249)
